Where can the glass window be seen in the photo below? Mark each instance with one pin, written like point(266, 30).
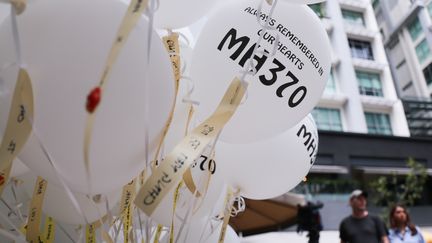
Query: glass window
point(318, 8)
point(429, 8)
point(378, 123)
point(331, 84)
point(427, 72)
point(415, 29)
point(369, 83)
point(353, 18)
point(327, 119)
point(360, 49)
point(422, 50)
point(375, 3)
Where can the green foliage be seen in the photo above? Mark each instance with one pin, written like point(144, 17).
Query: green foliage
point(327, 185)
point(401, 189)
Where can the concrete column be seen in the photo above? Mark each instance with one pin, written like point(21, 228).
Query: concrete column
point(353, 110)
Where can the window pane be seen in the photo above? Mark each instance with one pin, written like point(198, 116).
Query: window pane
point(318, 9)
point(415, 29)
point(378, 123)
point(427, 72)
point(422, 50)
point(369, 83)
point(375, 3)
point(331, 84)
point(429, 8)
point(360, 49)
point(352, 17)
point(327, 119)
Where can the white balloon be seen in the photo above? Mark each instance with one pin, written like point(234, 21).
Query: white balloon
point(65, 45)
point(271, 167)
point(174, 14)
point(4, 11)
point(287, 85)
point(58, 205)
point(231, 236)
point(18, 168)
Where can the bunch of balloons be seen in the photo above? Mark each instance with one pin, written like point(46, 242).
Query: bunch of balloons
point(153, 97)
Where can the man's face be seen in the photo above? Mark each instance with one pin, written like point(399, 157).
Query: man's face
point(358, 203)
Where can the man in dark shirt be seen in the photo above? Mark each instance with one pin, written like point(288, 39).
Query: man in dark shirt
point(360, 227)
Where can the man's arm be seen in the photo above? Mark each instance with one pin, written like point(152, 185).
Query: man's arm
point(385, 239)
point(342, 232)
point(382, 230)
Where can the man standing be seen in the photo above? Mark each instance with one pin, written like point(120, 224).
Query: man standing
point(360, 227)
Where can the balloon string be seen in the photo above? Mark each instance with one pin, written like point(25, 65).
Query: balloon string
point(65, 232)
point(10, 236)
point(20, 237)
point(185, 38)
point(18, 205)
point(135, 234)
point(173, 50)
point(148, 229)
point(117, 230)
point(131, 18)
point(98, 211)
point(186, 217)
point(140, 221)
point(153, 6)
point(238, 205)
point(185, 221)
point(266, 26)
point(11, 211)
point(81, 234)
point(187, 97)
point(58, 174)
point(16, 38)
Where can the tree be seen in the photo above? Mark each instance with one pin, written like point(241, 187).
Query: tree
point(405, 190)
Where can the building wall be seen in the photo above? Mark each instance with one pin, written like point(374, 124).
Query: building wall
point(347, 98)
point(354, 154)
point(401, 48)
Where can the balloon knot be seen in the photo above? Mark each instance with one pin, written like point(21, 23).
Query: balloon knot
point(2, 180)
point(93, 99)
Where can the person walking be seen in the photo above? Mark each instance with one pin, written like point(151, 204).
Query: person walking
point(402, 230)
point(360, 226)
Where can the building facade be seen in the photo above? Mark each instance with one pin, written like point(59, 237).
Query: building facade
point(406, 28)
point(360, 96)
point(362, 123)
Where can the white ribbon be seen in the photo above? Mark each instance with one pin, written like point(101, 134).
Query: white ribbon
point(250, 68)
point(16, 38)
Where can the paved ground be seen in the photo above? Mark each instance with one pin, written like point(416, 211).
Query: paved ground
point(293, 237)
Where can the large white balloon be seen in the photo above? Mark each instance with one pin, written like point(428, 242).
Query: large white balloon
point(287, 85)
point(58, 205)
point(271, 167)
point(174, 14)
point(4, 11)
point(65, 45)
point(18, 168)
